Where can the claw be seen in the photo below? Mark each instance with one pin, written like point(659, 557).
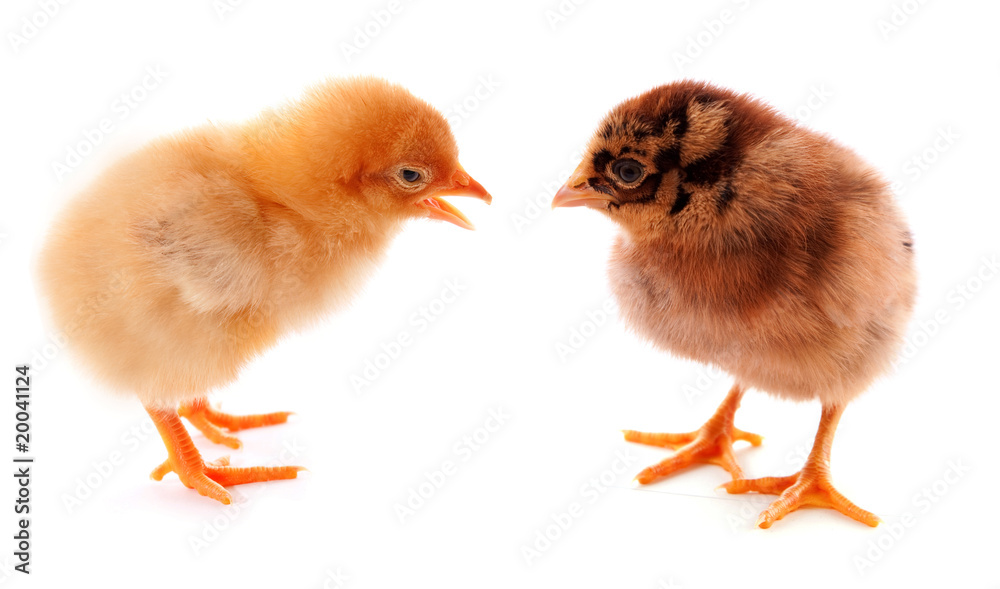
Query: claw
point(208, 478)
point(712, 444)
point(209, 421)
point(811, 486)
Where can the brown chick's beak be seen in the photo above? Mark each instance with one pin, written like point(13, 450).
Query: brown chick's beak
point(577, 192)
point(462, 185)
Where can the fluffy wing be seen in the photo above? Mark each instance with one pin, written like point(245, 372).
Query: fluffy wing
point(208, 240)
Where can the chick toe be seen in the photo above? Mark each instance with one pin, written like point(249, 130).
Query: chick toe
point(800, 490)
point(211, 431)
point(712, 443)
point(209, 479)
point(209, 421)
point(811, 486)
point(235, 423)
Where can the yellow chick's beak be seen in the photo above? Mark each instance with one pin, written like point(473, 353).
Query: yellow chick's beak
point(462, 185)
point(577, 192)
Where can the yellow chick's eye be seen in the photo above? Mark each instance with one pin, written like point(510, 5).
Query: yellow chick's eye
point(409, 176)
point(628, 171)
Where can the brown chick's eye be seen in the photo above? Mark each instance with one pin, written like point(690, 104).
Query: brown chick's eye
point(628, 171)
point(409, 176)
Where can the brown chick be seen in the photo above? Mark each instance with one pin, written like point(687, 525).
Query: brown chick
point(754, 244)
point(189, 257)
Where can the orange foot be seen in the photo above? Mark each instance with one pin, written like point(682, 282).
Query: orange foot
point(798, 490)
point(809, 486)
point(209, 421)
point(712, 443)
point(206, 478)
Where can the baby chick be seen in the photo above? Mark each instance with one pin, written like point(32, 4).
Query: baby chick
point(194, 254)
point(754, 244)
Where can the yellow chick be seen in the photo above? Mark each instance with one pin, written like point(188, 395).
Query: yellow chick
point(192, 255)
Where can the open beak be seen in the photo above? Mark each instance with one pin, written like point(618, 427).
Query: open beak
point(462, 184)
point(577, 192)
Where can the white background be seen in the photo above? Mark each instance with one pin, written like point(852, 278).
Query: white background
point(530, 277)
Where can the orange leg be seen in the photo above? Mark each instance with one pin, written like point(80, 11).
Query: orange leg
point(713, 443)
point(809, 486)
point(206, 478)
point(209, 421)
